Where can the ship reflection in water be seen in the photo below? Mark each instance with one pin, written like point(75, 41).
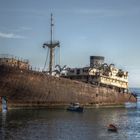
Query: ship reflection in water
point(58, 124)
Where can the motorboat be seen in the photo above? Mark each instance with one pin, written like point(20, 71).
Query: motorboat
point(75, 107)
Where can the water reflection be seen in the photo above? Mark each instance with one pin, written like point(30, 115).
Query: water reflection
point(3, 125)
point(62, 125)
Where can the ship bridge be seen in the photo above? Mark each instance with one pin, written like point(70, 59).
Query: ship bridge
point(100, 73)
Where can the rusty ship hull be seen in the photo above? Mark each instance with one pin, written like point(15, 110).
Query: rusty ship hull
point(28, 88)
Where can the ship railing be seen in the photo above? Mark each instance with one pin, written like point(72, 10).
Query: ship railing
point(8, 56)
point(35, 70)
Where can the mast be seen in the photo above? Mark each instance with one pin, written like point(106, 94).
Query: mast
point(51, 45)
point(52, 27)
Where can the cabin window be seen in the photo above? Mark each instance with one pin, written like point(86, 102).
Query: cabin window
point(78, 71)
point(85, 70)
point(72, 71)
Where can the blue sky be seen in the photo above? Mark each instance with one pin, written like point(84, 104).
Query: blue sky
point(109, 28)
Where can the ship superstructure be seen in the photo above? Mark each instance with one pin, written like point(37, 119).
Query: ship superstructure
point(101, 74)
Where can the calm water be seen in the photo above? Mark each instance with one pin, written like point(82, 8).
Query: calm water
point(92, 124)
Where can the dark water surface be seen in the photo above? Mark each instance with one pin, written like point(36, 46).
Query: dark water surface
point(92, 124)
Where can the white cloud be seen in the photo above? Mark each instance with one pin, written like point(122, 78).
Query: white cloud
point(103, 12)
point(21, 29)
point(25, 28)
point(11, 36)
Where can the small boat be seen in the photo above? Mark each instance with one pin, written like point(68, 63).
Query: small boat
point(75, 107)
point(112, 128)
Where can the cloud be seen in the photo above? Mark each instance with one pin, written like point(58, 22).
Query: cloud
point(104, 12)
point(11, 36)
point(21, 29)
point(25, 28)
point(100, 12)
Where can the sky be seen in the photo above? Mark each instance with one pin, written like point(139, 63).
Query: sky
point(109, 28)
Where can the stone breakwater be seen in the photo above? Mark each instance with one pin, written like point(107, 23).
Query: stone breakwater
point(26, 88)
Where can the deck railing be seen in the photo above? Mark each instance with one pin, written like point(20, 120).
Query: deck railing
point(8, 56)
point(4, 59)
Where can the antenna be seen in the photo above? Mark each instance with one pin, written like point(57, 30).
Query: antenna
point(51, 45)
point(52, 24)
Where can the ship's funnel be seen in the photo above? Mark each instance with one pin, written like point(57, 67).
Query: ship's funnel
point(96, 61)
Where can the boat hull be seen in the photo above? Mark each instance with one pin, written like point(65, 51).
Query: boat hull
point(78, 109)
point(30, 88)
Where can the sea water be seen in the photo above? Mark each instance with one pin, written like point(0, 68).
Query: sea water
point(137, 92)
point(59, 124)
point(92, 124)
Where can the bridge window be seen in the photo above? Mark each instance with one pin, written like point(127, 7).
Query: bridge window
point(78, 71)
